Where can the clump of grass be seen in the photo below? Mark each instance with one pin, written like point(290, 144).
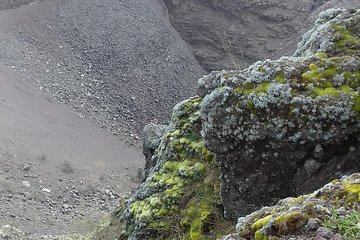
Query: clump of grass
point(347, 225)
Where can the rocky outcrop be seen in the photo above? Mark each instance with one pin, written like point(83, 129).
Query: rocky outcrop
point(276, 129)
point(234, 34)
point(286, 127)
point(180, 196)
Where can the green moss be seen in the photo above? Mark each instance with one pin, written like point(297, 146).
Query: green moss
point(280, 78)
point(313, 67)
point(262, 69)
point(330, 72)
point(261, 223)
point(345, 40)
point(248, 85)
point(195, 217)
point(356, 106)
point(353, 192)
point(290, 222)
point(260, 236)
point(331, 91)
point(347, 75)
point(248, 88)
point(190, 179)
point(263, 87)
point(312, 75)
point(321, 55)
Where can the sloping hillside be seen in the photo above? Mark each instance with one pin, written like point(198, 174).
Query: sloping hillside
point(234, 34)
point(58, 173)
point(117, 62)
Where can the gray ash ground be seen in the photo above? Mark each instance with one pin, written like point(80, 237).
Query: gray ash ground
point(119, 63)
point(58, 173)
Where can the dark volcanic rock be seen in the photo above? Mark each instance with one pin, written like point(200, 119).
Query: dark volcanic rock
point(286, 127)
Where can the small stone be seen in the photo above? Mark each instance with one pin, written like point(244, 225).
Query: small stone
point(46, 190)
point(337, 237)
point(26, 167)
point(352, 149)
point(318, 237)
point(342, 211)
point(311, 166)
point(313, 224)
point(27, 195)
point(26, 183)
point(325, 233)
point(231, 237)
point(318, 151)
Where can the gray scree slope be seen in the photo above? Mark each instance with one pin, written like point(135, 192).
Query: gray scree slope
point(117, 62)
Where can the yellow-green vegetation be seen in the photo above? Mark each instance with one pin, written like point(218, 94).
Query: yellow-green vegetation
point(346, 225)
point(261, 223)
point(322, 79)
point(346, 40)
point(185, 199)
point(291, 214)
point(248, 88)
point(290, 222)
point(323, 76)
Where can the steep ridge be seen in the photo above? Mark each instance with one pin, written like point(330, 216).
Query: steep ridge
point(117, 62)
point(234, 34)
point(251, 137)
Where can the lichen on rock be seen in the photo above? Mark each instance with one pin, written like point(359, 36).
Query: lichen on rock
point(278, 127)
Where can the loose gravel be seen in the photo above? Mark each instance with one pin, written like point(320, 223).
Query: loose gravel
point(119, 63)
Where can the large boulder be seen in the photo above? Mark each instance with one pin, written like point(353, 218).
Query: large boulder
point(286, 127)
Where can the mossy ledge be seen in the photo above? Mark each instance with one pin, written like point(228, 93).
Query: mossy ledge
point(290, 215)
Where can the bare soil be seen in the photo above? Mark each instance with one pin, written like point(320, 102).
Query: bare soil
point(58, 172)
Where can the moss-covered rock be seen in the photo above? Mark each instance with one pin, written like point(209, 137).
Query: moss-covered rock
point(180, 198)
point(290, 215)
point(278, 127)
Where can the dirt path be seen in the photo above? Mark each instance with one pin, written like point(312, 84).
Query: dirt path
point(57, 171)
